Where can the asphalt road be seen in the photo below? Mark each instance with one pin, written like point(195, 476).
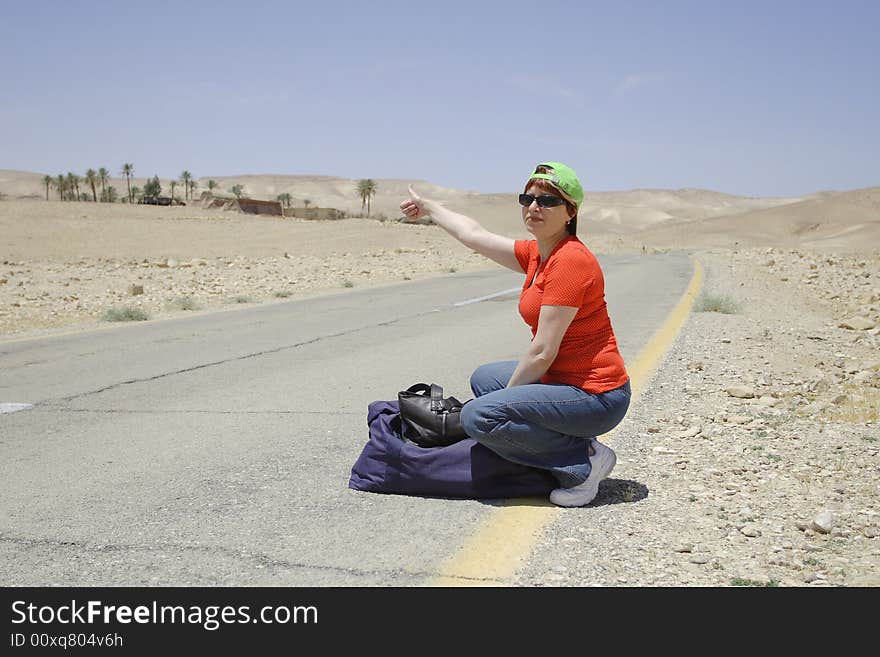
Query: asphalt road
point(216, 449)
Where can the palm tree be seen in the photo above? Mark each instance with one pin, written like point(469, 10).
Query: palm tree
point(48, 182)
point(127, 171)
point(73, 181)
point(92, 179)
point(173, 183)
point(61, 184)
point(212, 185)
point(103, 175)
point(185, 178)
point(237, 190)
point(306, 203)
point(136, 193)
point(284, 198)
point(366, 187)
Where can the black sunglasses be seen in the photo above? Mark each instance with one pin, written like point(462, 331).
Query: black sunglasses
point(544, 200)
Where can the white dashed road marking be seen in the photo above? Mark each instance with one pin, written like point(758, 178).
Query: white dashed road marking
point(12, 407)
point(487, 297)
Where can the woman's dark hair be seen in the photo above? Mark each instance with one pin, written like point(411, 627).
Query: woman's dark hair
point(547, 186)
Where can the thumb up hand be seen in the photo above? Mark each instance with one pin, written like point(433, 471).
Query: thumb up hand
point(413, 207)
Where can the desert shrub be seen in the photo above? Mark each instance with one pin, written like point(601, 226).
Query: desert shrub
point(741, 581)
point(125, 314)
point(711, 302)
point(184, 303)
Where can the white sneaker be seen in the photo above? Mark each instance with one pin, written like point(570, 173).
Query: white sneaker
point(602, 463)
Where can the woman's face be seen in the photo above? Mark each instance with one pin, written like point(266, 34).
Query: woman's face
point(544, 222)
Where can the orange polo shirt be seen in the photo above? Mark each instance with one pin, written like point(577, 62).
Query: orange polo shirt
point(588, 355)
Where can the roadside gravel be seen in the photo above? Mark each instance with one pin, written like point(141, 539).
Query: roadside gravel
point(751, 458)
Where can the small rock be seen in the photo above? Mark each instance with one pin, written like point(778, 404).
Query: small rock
point(684, 548)
point(741, 392)
point(699, 559)
point(823, 522)
point(863, 376)
point(815, 408)
point(750, 530)
point(134, 289)
point(857, 323)
point(872, 531)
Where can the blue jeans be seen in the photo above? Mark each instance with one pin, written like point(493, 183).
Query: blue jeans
point(547, 426)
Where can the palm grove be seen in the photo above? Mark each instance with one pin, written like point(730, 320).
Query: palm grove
point(94, 186)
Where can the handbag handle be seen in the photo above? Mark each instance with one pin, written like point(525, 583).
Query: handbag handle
point(433, 390)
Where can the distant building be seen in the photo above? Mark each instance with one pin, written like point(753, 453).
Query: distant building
point(245, 205)
point(314, 213)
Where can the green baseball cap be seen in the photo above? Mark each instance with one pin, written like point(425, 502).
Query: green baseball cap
point(564, 178)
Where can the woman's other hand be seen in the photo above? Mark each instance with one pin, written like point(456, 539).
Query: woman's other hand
point(414, 207)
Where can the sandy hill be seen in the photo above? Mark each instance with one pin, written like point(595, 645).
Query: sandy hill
point(659, 217)
point(638, 209)
point(22, 185)
point(839, 221)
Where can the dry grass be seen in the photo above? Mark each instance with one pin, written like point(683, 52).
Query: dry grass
point(860, 404)
point(714, 302)
point(124, 314)
point(184, 303)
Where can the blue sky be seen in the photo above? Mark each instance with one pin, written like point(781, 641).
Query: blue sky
point(770, 98)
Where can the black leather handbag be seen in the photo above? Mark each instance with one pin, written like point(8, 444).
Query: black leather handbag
point(428, 418)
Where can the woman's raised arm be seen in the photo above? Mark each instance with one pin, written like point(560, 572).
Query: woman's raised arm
point(466, 230)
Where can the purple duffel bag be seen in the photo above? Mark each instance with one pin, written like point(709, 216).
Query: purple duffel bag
point(390, 464)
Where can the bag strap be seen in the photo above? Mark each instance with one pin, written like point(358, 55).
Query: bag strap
point(436, 397)
point(419, 388)
point(436, 393)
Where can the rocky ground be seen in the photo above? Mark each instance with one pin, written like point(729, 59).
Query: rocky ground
point(753, 456)
point(39, 296)
point(74, 265)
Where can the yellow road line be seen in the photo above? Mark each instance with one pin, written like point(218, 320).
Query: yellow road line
point(497, 550)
